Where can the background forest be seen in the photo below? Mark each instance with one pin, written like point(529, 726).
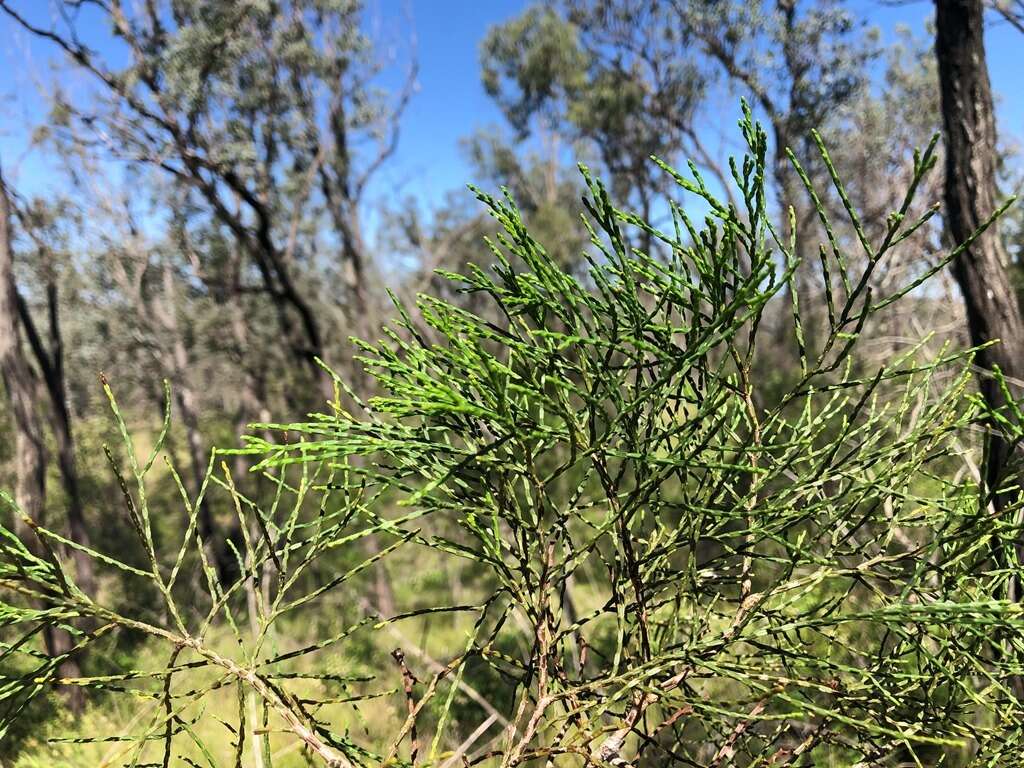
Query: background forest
point(206, 202)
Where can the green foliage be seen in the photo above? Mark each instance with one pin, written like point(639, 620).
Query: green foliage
point(659, 561)
point(621, 91)
point(627, 79)
point(541, 55)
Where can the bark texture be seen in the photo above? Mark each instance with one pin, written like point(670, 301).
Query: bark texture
point(970, 199)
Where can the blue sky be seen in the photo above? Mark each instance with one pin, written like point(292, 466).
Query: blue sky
point(450, 103)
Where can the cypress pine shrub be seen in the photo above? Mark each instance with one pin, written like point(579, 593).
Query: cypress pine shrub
point(663, 563)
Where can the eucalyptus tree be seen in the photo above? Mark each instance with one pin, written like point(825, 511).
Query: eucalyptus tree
point(636, 77)
point(800, 63)
point(267, 128)
point(266, 115)
point(619, 89)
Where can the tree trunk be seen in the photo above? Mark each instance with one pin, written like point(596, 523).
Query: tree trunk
point(29, 448)
point(970, 198)
point(19, 380)
point(52, 366)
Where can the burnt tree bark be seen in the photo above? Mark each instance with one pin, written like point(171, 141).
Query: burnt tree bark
point(970, 199)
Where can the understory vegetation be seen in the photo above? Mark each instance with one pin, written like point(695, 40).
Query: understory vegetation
point(567, 516)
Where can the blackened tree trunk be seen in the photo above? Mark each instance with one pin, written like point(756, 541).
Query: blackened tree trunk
point(63, 431)
point(970, 199)
point(19, 381)
point(51, 363)
point(29, 446)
